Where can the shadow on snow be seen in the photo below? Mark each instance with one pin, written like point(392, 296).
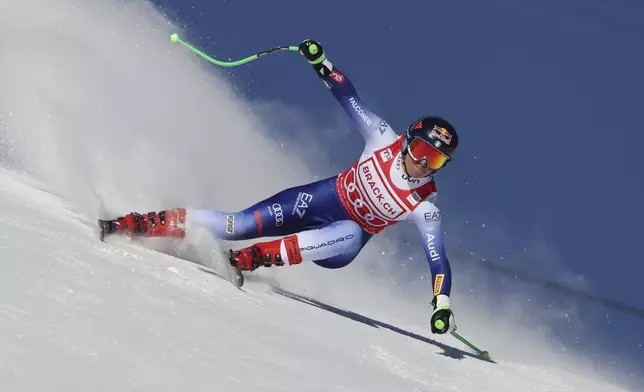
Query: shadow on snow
point(448, 351)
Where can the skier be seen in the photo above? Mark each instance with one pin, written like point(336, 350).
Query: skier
point(328, 222)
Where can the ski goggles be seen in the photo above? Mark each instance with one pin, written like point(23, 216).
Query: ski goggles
point(419, 150)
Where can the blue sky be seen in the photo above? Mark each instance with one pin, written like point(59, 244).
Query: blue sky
point(547, 97)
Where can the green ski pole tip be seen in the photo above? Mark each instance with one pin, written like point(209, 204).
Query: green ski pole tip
point(174, 38)
point(485, 355)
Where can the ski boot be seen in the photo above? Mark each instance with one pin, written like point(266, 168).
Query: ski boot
point(251, 258)
point(266, 254)
point(168, 223)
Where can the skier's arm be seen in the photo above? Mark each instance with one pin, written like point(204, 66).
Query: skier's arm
point(427, 218)
point(370, 125)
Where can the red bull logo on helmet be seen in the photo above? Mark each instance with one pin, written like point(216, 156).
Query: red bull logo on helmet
point(442, 134)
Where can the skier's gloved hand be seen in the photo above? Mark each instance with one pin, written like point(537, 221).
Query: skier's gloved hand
point(312, 50)
point(442, 319)
point(314, 53)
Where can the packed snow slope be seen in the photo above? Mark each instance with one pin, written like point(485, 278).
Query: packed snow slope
point(101, 115)
point(79, 314)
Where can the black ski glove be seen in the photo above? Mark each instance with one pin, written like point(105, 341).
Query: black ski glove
point(314, 53)
point(442, 319)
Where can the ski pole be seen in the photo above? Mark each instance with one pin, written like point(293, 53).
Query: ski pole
point(175, 38)
point(484, 354)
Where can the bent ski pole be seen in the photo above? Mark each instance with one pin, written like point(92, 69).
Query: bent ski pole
point(175, 38)
point(484, 354)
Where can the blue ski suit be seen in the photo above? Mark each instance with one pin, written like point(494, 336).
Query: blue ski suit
point(334, 218)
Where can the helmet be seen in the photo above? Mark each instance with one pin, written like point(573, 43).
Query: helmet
point(433, 139)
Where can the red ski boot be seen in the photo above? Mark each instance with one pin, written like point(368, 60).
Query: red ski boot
point(168, 223)
point(266, 254)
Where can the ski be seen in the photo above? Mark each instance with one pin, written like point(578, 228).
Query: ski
point(234, 274)
point(102, 228)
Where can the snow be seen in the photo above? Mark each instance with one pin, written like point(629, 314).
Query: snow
point(100, 115)
point(79, 314)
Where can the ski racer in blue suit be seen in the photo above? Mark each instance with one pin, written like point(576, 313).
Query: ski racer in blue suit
point(328, 222)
